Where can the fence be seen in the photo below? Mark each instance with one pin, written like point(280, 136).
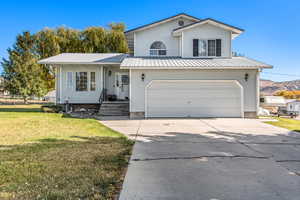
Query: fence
point(8, 100)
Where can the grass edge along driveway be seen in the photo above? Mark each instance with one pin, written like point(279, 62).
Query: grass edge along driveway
point(290, 124)
point(52, 156)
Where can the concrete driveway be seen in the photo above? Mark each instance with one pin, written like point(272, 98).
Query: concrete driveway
point(213, 159)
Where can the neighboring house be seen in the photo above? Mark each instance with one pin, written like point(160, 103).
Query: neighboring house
point(293, 106)
point(181, 66)
point(272, 103)
point(50, 96)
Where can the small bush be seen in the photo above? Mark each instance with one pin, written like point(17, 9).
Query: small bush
point(52, 108)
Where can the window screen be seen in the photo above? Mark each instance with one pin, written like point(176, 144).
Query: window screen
point(211, 47)
point(93, 81)
point(69, 80)
point(81, 81)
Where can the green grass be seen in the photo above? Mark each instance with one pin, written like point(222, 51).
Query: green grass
point(51, 156)
point(290, 124)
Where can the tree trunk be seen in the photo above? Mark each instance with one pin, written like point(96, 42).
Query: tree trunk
point(25, 100)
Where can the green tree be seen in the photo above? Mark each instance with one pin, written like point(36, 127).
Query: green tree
point(117, 26)
point(46, 45)
point(94, 40)
point(69, 40)
point(50, 42)
point(116, 40)
point(23, 76)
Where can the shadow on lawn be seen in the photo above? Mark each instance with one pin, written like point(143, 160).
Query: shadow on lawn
point(20, 109)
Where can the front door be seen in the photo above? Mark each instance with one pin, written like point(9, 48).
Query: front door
point(122, 85)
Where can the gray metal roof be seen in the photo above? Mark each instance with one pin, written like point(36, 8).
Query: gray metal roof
point(85, 58)
point(188, 63)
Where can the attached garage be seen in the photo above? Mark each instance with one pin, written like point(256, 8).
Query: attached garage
point(194, 98)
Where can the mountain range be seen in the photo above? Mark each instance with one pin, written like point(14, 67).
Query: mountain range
point(268, 87)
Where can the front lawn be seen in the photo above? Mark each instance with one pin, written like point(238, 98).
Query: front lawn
point(52, 156)
point(291, 124)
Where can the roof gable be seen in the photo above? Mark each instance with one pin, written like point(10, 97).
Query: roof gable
point(183, 15)
point(235, 30)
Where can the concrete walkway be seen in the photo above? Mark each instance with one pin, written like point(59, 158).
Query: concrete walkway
point(224, 159)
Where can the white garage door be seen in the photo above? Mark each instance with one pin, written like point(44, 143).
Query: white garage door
point(194, 98)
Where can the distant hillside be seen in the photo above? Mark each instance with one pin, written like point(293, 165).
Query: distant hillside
point(268, 87)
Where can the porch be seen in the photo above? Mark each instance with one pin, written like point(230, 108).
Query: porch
point(91, 81)
point(115, 83)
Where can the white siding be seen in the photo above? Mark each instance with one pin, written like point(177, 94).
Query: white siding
point(137, 97)
point(80, 96)
point(293, 106)
point(144, 39)
point(206, 31)
point(57, 82)
point(130, 42)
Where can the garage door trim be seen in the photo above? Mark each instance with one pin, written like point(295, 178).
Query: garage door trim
point(179, 80)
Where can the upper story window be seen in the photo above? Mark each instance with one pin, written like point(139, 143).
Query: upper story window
point(158, 48)
point(207, 48)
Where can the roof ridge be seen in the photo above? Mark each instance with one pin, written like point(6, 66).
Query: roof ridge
point(161, 20)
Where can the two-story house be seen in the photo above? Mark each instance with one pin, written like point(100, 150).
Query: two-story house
point(181, 66)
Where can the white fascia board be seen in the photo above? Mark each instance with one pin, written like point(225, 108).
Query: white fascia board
point(235, 31)
point(186, 68)
point(162, 22)
point(76, 63)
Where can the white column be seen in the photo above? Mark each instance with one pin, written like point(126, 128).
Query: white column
point(130, 90)
point(60, 84)
point(102, 83)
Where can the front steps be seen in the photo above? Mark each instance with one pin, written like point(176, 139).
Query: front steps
point(114, 108)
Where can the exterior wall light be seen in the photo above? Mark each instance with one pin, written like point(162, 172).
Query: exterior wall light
point(109, 73)
point(246, 76)
point(143, 76)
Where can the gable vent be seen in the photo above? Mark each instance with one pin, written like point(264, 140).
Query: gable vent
point(180, 23)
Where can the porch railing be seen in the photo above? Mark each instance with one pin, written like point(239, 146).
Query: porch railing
point(102, 96)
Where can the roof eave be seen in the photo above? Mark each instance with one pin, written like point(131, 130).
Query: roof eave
point(234, 30)
point(140, 28)
point(77, 63)
point(195, 67)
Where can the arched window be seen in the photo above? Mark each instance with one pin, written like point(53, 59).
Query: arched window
point(158, 48)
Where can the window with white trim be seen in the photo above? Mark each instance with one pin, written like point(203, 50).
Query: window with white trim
point(207, 48)
point(202, 48)
point(211, 47)
point(158, 48)
point(81, 81)
point(69, 80)
point(92, 81)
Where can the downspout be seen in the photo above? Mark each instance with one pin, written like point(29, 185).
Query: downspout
point(257, 90)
